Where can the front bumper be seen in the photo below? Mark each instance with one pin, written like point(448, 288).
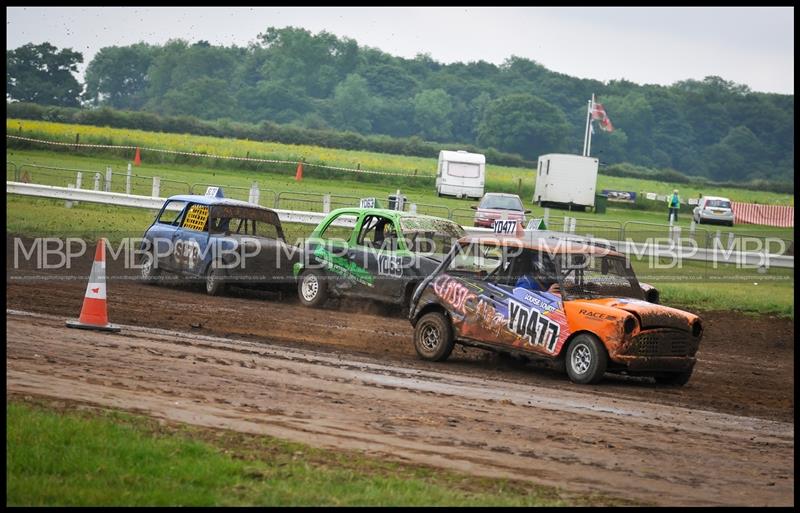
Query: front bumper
point(657, 363)
point(659, 349)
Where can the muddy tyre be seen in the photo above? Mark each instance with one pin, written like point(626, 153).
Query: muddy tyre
point(215, 281)
point(149, 273)
point(433, 337)
point(312, 289)
point(586, 359)
point(675, 379)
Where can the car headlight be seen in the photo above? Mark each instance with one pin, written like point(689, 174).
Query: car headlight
point(629, 325)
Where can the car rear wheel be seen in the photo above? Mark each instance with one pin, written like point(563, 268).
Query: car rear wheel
point(215, 281)
point(586, 359)
point(312, 288)
point(433, 337)
point(677, 379)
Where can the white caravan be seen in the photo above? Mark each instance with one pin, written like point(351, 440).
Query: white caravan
point(460, 174)
point(566, 180)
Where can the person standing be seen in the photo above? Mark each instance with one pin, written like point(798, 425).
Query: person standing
point(674, 204)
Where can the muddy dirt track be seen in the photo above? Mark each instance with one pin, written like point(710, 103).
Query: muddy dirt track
point(350, 379)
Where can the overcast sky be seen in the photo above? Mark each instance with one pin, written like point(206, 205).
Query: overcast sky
point(646, 45)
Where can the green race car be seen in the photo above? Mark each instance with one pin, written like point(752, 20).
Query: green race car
point(373, 254)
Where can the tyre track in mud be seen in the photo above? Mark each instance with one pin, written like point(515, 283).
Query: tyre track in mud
point(573, 438)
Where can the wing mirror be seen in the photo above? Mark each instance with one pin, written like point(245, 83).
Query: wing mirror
point(474, 207)
point(528, 211)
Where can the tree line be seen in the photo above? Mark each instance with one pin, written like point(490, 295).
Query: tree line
point(710, 128)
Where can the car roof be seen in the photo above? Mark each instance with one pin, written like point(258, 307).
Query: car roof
point(501, 194)
point(551, 244)
point(385, 212)
point(212, 200)
point(715, 198)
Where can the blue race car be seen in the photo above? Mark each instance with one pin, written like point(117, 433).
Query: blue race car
point(220, 241)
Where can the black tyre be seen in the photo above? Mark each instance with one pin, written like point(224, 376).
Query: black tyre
point(149, 272)
point(312, 289)
point(586, 359)
point(433, 337)
point(215, 281)
point(676, 379)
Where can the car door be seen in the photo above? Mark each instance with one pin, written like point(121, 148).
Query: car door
point(376, 248)
point(160, 235)
point(534, 320)
point(699, 209)
point(190, 241)
point(329, 248)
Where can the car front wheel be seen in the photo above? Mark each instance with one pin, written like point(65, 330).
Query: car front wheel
point(586, 359)
point(312, 288)
point(149, 272)
point(433, 338)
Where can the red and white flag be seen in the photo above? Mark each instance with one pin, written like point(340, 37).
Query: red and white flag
point(599, 114)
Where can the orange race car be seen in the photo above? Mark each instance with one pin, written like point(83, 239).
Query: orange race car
point(576, 304)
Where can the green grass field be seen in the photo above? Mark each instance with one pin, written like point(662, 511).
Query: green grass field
point(62, 456)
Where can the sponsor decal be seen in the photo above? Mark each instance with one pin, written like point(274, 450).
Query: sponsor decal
point(452, 292)
point(535, 328)
point(489, 318)
point(535, 300)
point(597, 315)
point(390, 265)
point(187, 253)
point(344, 267)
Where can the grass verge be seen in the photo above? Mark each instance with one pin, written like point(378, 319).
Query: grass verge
point(60, 454)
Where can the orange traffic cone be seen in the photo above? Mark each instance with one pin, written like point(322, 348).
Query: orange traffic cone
point(94, 314)
point(299, 174)
point(137, 160)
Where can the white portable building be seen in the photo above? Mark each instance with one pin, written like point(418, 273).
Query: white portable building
point(566, 180)
point(460, 174)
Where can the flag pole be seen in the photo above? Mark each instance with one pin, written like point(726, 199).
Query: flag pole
point(586, 129)
point(589, 146)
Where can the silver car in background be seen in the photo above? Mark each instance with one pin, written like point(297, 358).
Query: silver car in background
point(713, 209)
